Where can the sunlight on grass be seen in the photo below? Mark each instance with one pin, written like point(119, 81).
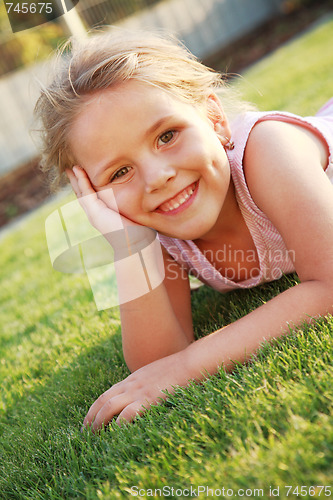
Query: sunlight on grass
point(268, 424)
point(298, 77)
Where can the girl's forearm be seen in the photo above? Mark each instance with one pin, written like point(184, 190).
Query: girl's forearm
point(150, 329)
point(239, 341)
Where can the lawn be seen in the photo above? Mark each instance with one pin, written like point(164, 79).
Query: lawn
point(264, 430)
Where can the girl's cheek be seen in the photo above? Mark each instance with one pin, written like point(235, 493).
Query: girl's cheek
point(192, 154)
point(125, 201)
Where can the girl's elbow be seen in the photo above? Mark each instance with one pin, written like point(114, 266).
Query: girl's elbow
point(327, 296)
point(134, 362)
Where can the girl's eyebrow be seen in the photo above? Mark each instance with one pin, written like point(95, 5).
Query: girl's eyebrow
point(148, 132)
point(157, 125)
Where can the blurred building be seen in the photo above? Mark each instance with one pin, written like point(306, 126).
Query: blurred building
point(205, 26)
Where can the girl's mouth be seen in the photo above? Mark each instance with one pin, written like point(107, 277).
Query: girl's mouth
point(179, 202)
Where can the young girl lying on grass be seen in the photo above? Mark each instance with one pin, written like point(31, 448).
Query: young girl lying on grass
point(236, 201)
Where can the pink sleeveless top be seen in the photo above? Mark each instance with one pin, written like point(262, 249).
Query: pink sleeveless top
point(274, 258)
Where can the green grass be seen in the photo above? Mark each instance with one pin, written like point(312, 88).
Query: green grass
point(298, 77)
point(266, 425)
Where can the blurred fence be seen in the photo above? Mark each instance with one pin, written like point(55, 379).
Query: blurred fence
point(10, 55)
point(13, 51)
point(97, 12)
point(28, 47)
point(205, 26)
point(18, 93)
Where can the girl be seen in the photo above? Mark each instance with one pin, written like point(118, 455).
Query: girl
point(236, 200)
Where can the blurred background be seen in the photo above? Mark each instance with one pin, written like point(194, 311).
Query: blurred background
point(228, 35)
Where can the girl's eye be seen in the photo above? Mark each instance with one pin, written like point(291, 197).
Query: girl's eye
point(120, 173)
point(167, 136)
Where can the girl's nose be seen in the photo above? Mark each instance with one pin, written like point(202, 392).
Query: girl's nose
point(157, 175)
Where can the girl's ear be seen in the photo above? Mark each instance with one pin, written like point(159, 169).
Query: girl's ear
point(217, 118)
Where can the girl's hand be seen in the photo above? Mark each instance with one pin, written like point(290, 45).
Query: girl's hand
point(136, 393)
point(103, 214)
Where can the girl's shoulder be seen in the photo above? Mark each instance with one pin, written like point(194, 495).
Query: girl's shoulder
point(268, 127)
point(277, 145)
point(321, 122)
point(282, 144)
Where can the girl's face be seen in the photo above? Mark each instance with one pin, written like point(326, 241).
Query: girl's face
point(162, 157)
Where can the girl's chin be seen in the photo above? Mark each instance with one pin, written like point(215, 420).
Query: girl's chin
point(189, 234)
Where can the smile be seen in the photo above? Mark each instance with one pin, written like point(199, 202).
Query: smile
point(179, 202)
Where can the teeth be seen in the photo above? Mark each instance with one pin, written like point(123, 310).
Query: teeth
point(177, 201)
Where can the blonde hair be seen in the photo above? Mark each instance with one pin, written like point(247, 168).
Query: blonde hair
point(102, 61)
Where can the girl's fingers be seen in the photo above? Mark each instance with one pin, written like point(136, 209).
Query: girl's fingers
point(73, 181)
point(85, 193)
point(107, 196)
point(112, 407)
point(83, 181)
point(131, 411)
point(80, 181)
point(100, 207)
point(86, 189)
point(111, 393)
point(91, 201)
